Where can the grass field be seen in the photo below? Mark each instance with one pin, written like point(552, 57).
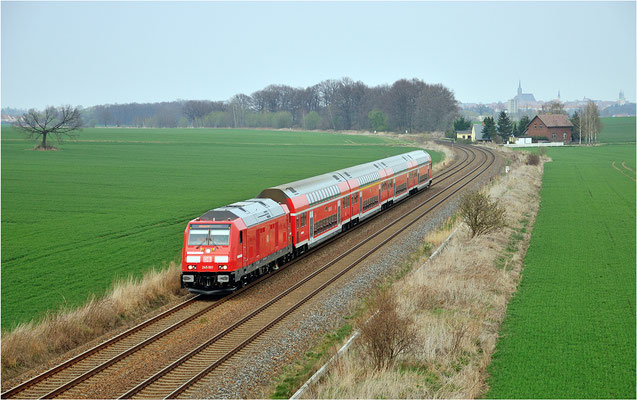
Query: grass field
point(116, 202)
point(570, 329)
point(618, 130)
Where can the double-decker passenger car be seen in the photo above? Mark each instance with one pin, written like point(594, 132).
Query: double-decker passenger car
point(228, 246)
point(325, 205)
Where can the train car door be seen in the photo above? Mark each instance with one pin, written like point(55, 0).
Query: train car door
point(244, 240)
point(338, 216)
point(311, 225)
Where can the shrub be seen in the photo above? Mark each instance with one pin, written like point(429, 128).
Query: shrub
point(387, 334)
point(311, 120)
point(481, 213)
point(532, 159)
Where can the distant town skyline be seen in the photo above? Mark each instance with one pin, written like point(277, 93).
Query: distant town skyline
point(89, 53)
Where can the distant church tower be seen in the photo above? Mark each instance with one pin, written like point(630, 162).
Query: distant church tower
point(519, 88)
point(558, 95)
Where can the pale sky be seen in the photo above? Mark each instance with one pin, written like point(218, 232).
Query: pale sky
point(88, 53)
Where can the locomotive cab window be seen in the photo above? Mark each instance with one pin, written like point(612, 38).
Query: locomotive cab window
point(209, 235)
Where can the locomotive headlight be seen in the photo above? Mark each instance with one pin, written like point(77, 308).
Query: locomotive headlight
point(223, 267)
point(191, 267)
point(207, 251)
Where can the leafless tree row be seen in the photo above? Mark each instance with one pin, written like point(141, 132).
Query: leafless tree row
point(590, 123)
point(343, 104)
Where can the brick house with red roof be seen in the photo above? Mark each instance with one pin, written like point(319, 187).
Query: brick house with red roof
point(553, 127)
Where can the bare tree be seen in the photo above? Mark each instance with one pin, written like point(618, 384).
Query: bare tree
point(60, 122)
point(386, 334)
point(239, 105)
point(590, 123)
point(553, 107)
point(195, 109)
point(481, 214)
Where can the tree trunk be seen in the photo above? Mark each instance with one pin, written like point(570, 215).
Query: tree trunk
point(44, 140)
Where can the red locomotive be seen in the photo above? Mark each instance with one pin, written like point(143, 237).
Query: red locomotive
point(227, 247)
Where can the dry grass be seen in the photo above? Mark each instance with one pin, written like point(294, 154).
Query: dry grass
point(34, 343)
point(457, 303)
point(533, 159)
point(440, 235)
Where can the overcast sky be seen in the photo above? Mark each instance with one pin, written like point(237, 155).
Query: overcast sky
point(87, 53)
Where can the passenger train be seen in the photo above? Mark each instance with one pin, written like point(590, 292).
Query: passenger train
point(227, 247)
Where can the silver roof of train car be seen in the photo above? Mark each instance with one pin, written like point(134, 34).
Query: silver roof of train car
point(368, 173)
point(252, 211)
point(322, 187)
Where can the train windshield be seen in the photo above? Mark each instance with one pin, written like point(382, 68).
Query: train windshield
point(209, 235)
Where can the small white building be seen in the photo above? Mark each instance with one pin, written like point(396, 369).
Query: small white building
point(523, 140)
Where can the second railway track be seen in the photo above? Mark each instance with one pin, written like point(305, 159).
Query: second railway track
point(65, 379)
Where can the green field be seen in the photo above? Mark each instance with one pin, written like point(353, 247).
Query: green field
point(618, 130)
point(116, 202)
point(570, 330)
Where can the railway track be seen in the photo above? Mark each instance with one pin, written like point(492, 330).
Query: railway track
point(61, 380)
point(180, 377)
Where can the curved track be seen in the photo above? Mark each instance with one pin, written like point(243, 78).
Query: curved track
point(182, 374)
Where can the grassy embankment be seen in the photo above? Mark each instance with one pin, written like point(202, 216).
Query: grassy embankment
point(570, 329)
point(114, 205)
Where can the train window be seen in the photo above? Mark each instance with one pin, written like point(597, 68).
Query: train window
point(216, 235)
point(297, 222)
point(240, 237)
point(303, 219)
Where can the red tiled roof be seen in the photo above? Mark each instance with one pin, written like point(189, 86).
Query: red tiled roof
point(555, 120)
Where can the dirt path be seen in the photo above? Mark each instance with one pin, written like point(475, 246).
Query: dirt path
point(627, 167)
point(617, 168)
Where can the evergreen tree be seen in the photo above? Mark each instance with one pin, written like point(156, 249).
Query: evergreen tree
point(524, 122)
point(489, 131)
point(461, 124)
point(575, 120)
point(505, 129)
